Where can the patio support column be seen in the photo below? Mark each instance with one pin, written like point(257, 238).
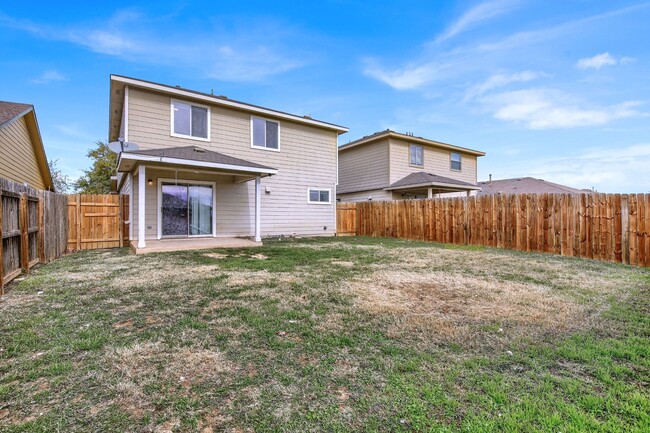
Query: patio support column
point(142, 181)
point(430, 193)
point(258, 237)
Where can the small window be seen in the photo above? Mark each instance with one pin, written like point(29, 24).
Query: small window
point(415, 155)
point(455, 161)
point(190, 120)
point(266, 134)
point(319, 196)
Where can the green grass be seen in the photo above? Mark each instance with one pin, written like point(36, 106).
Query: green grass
point(327, 334)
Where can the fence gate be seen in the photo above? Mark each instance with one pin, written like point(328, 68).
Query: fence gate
point(95, 221)
point(346, 219)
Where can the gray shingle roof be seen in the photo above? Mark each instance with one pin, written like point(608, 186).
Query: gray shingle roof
point(195, 153)
point(525, 185)
point(9, 110)
point(423, 178)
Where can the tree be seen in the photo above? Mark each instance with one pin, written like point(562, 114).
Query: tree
point(97, 180)
point(60, 181)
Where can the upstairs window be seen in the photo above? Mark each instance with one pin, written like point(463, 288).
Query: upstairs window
point(415, 155)
point(319, 196)
point(190, 121)
point(456, 161)
point(265, 134)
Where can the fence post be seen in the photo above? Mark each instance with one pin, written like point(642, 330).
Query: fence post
point(2, 247)
point(24, 235)
point(77, 215)
point(625, 224)
point(120, 220)
point(41, 227)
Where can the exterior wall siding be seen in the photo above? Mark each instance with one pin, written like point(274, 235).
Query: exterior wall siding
point(436, 161)
point(307, 158)
point(376, 194)
point(17, 157)
point(364, 168)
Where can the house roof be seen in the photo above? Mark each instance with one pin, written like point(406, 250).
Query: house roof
point(118, 83)
point(422, 179)
point(525, 185)
point(12, 111)
point(192, 156)
point(377, 136)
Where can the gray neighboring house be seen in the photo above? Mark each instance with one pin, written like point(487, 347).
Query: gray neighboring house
point(526, 185)
point(389, 165)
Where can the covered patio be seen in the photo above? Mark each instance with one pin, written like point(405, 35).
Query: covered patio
point(429, 185)
point(176, 193)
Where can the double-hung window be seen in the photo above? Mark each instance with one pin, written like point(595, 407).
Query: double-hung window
point(415, 155)
point(190, 120)
point(319, 196)
point(456, 161)
point(265, 134)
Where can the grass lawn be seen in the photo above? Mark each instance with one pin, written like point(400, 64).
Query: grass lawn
point(335, 335)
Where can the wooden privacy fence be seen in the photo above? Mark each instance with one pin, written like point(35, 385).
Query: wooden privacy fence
point(97, 221)
point(614, 227)
point(33, 228)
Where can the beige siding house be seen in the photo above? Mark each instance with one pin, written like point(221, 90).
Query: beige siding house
point(22, 156)
point(388, 165)
point(197, 165)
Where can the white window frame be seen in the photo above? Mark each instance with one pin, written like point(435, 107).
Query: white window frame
point(171, 123)
point(451, 161)
point(310, 189)
point(411, 163)
point(253, 146)
point(162, 180)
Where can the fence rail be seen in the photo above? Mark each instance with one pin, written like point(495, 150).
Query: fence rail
point(614, 227)
point(33, 228)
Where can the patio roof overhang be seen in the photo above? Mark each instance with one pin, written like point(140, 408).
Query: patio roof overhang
point(438, 185)
point(192, 157)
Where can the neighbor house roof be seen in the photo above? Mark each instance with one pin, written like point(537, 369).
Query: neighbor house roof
point(377, 136)
point(525, 185)
point(118, 82)
point(12, 111)
point(191, 156)
point(422, 179)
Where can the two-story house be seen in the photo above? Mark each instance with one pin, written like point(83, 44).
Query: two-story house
point(389, 165)
point(208, 166)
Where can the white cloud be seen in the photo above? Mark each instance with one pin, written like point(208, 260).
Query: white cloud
point(618, 168)
point(596, 62)
point(229, 51)
point(482, 12)
point(49, 76)
point(501, 80)
point(546, 109)
point(408, 78)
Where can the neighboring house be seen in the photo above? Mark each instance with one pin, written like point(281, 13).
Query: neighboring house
point(388, 165)
point(22, 156)
point(525, 185)
point(209, 166)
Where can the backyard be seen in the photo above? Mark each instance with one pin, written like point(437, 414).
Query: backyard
point(332, 334)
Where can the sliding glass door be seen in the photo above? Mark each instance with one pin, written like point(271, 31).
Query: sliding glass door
point(186, 210)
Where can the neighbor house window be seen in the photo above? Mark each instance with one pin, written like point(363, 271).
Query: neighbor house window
point(455, 161)
point(320, 196)
point(190, 120)
point(415, 155)
point(266, 133)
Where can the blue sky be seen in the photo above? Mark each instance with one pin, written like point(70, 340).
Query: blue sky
point(556, 90)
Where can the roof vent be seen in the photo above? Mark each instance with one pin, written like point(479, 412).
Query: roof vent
point(199, 150)
point(177, 86)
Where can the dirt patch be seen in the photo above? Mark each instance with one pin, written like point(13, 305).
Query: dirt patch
point(216, 256)
point(449, 305)
point(343, 263)
point(259, 257)
point(146, 363)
